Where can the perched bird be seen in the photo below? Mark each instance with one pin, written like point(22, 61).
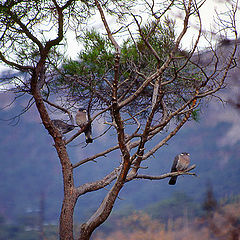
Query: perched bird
point(180, 163)
point(62, 126)
point(82, 121)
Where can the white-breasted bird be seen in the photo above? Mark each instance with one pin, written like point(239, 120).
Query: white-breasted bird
point(82, 120)
point(180, 163)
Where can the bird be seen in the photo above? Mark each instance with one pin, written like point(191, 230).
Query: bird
point(82, 120)
point(180, 163)
point(62, 126)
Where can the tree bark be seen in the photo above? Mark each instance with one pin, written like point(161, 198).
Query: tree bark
point(103, 211)
point(70, 196)
point(66, 217)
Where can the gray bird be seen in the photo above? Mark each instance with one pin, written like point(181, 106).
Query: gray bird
point(180, 163)
point(62, 126)
point(82, 121)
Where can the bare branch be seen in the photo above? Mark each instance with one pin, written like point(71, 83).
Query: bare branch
point(95, 156)
point(172, 133)
point(110, 36)
point(89, 187)
point(166, 175)
point(145, 39)
point(160, 71)
point(61, 108)
point(15, 65)
point(26, 30)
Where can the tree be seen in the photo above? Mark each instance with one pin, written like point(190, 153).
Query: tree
point(138, 86)
point(223, 222)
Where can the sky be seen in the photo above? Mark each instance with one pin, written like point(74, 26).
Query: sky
point(208, 12)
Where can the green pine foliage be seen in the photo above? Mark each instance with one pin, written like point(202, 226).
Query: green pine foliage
point(89, 76)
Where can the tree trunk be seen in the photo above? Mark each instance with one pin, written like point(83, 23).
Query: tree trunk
point(70, 195)
point(66, 218)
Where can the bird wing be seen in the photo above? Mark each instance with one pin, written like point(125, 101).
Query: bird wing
point(62, 126)
point(174, 165)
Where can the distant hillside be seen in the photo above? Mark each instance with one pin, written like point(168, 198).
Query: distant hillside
point(218, 223)
point(29, 165)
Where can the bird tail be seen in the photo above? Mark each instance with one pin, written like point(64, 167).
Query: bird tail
point(172, 180)
point(88, 139)
point(88, 135)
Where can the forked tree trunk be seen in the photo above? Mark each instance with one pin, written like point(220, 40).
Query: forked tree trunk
point(70, 196)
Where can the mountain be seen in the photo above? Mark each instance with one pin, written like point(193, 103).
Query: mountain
point(30, 167)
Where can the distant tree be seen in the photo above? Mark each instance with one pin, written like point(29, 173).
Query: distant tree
point(210, 203)
point(174, 208)
point(139, 85)
point(222, 222)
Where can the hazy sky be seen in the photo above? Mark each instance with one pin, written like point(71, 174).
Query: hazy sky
point(208, 12)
